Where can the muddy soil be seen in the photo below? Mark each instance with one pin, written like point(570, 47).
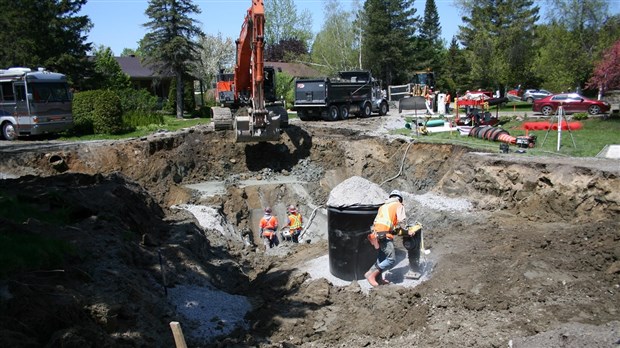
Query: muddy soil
point(535, 261)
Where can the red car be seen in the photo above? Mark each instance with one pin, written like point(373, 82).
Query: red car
point(572, 102)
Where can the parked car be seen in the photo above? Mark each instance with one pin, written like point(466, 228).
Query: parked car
point(572, 102)
point(534, 94)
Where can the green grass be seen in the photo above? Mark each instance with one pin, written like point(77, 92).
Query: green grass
point(589, 141)
point(171, 124)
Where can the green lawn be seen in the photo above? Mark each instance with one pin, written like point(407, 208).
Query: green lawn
point(171, 124)
point(589, 141)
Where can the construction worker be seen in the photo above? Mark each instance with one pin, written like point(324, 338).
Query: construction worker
point(448, 97)
point(268, 227)
point(294, 222)
point(389, 221)
point(428, 98)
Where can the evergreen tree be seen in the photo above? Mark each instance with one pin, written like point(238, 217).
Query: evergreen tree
point(453, 76)
point(430, 44)
point(388, 39)
point(169, 46)
point(108, 73)
point(44, 33)
point(498, 36)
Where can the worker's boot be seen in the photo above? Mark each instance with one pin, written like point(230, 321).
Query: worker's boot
point(371, 276)
point(381, 280)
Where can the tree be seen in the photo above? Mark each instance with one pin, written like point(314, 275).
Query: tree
point(108, 73)
point(286, 50)
point(45, 33)
point(606, 73)
point(388, 37)
point(497, 37)
point(454, 74)
point(430, 44)
point(282, 22)
point(216, 53)
point(569, 42)
point(336, 46)
point(169, 46)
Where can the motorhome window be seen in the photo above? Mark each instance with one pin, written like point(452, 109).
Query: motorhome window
point(7, 92)
point(49, 92)
point(20, 92)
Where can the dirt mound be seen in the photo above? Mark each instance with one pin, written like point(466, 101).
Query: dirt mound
point(521, 247)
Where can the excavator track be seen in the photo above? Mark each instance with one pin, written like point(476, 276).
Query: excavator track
point(222, 118)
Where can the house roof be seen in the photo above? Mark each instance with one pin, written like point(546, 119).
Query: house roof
point(132, 66)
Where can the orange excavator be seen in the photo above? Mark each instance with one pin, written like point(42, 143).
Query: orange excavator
point(247, 98)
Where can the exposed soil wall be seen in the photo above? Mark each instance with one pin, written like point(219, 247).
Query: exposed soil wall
point(537, 252)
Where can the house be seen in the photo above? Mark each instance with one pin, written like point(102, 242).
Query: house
point(143, 77)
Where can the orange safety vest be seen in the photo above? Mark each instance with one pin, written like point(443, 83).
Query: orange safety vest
point(296, 221)
point(269, 225)
point(386, 218)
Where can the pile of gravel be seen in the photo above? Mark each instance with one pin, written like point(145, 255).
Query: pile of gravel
point(434, 201)
point(206, 312)
point(356, 192)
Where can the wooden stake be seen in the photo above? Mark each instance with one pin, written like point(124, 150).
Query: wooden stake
point(179, 339)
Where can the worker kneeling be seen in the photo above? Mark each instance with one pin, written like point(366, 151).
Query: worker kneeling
point(390, 219)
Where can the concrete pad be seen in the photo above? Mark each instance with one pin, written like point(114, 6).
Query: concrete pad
point(610, 151)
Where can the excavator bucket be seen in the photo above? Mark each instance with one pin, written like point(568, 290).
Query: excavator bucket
point(260, 126)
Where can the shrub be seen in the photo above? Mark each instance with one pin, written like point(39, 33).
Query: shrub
point(580, 116)
point(107, 113)
point(202, 112)
point(137, 100)
point(82, 110)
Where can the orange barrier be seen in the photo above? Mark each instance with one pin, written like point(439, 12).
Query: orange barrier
point(548, 125)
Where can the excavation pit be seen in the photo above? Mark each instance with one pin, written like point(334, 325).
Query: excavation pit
point(522, 249)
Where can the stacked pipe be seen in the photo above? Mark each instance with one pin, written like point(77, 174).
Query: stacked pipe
point(492, 134)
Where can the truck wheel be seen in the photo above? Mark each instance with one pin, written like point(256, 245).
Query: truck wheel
point(344, 112)
point(383, 109)
point(366, 110)
point(8, 131)
point(332, 114)
point(303, 115)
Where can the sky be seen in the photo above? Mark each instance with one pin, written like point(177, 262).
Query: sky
point(118, 24)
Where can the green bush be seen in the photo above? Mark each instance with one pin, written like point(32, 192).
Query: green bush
point(82, 110)
point(202, 112)
point(580, 116)
point(137, 100)
point(107, 113)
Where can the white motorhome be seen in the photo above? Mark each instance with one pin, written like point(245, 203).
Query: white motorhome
point(33, 102)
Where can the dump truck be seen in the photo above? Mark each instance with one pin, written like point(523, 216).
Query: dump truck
point(351, 93)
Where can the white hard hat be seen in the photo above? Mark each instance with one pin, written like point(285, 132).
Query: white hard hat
point(292, 209)
point(268, 210)
point(397, 194)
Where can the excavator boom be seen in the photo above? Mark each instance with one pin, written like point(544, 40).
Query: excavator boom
point(250, 117)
